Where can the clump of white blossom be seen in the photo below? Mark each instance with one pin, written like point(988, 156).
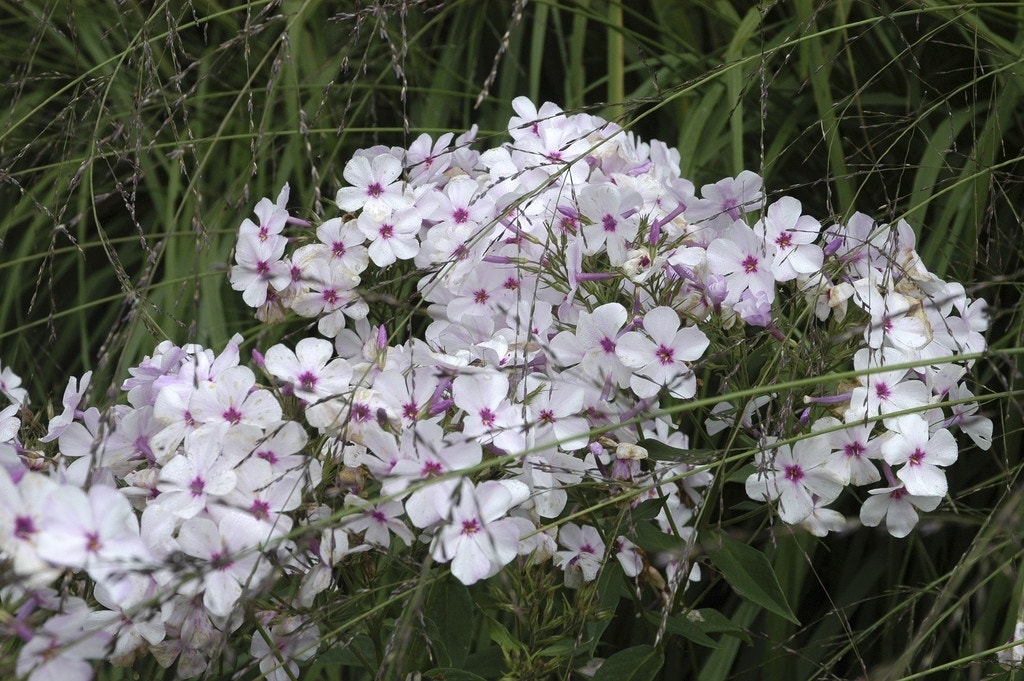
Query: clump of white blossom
point(576, 286)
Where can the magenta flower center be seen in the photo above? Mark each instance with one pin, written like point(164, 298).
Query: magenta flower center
point(609, 223)
point(665, 354)
point(307, 380)
point(260, 509)
point(917, 458)
point(460, 215)
point(24, 527)
point(386, 231)
point(232, 416)
point(750, 264)
point(784, 241)
point(196, 486)
point(882, 391)
point(608, 345)
point(470, 527)
point(854, 450)
point(374, 190)
point(793, 473)
point(487, 417)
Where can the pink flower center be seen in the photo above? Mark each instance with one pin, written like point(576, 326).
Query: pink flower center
point(854, 450)
point(196, 486)
point(330, 296)
point(260, 509)
point(386, 231)
point(784, 241)
point(487, 417)
point(379, 517)
point(92, 542)
point(460, 215)
point(917, 458)
point(882, 391)
point(338, 249)
point(480, 297)
point(410, 410)
point(307, 380)
point(374, 190)
point(665, 355)
point(470, 527)
point(608, 345)
point(360, 412)
point(232, 416)
point(609, 223)
point(546, 416)
point(431, 469)
point(794, 473)
point(750, 264)
point(268, 455)
point(24, 527)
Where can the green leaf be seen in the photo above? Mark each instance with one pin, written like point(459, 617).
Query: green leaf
point(563, 647)
point(451, 610)
point(748, 572)
point(695, 625)
point(659, 451)
point(639, 663)
point(652, 540)
point(648, 510)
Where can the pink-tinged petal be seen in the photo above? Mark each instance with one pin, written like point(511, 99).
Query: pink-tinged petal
point(222, 593)
point(634, 350)
point(923, 480)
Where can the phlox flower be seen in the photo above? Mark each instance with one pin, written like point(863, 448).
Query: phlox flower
point(920, 453)
point(24, 506)
point(897, 507)
point(741, 258)
point(789, 236)
point(727, 200)
point(73, 394)
point(97, 531)
point(329, 293)
point(883, 392)
point(583, 555)
point(309, 371)
point(10, 424)
point(234, 399)
point(852, 447)
point(426, 159)
point(377, 522)
point(376, 189)
point(190, 481)
point(10, 386)
point(259, 268)
point(490, 415)
point(477, 537)
point(280, 644)
point(593, 344)
point(392, 237)
point(612, 219)
point(796, 477)
point(133, 629)
point(345, 244)
point(60, 648)
point(659, 355)
point(230, 547)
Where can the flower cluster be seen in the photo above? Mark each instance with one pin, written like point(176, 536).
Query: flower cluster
point(578, 295)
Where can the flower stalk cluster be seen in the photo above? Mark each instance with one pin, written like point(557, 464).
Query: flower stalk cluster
point(578, 294)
